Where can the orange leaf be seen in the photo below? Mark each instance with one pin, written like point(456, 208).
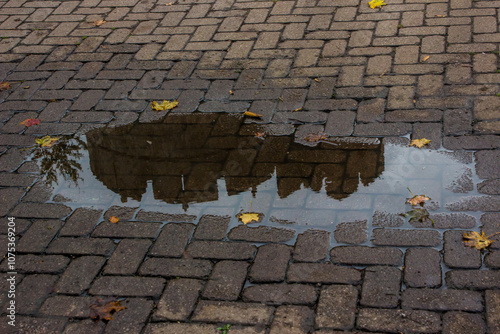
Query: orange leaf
point(29, 122)
point(103, 309)
point(420, 142)
point(260, 135)
point(417, 199)
point(4, 85)
point(113, 219)
point(99, 22)
point(251, 114)
point(248, 217)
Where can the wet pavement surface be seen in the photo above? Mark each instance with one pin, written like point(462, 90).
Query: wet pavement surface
point(342, 89)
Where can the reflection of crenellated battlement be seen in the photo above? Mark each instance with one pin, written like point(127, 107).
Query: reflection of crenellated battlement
point(186, 154)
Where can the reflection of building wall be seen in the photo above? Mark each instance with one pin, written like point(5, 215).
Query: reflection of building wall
point(185, 160)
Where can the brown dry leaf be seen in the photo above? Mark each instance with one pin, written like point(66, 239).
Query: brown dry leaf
point(426, 58)
point(251, 114)
point(103, 309)
point(99, 22)
point(248, 217)
point(260, 135)
point(114, 219)
point(316, 137)
point(165, 105)
point(421, 142)
point(4, 85)
point(417, 200)
point(479, 241)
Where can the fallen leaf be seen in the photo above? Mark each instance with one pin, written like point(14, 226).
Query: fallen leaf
point(440, 15)
point(251, 114)
point(114, 219)
point(316, 137)
point(417, 215)
point(99, 22)
point(104, 309)
point(169, 4)
point(376, 3)
point(479, 241)
point(29, 122)
point(248, 217)
point(231, 92)
point(4, 85)
point(316, 79)
point(298, 109)
point(421, 142)
point(425, 58)
point(165, 105)
point(46, 141)
point(149, 142)
point(260, 135)
point(417, 200)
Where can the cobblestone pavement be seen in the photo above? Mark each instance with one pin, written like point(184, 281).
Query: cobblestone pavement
point(428, 68)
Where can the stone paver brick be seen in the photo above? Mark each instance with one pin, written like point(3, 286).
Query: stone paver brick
point(222, 286)
point(178, 299)
point(442, 300)
point(81, 222)
point(394, 320)
point(270, 263)
point(492, 298)
point(32, 292)
point(176, 267)
point(462, 322)
point(40, 325)
point(351, 233)
point(233, 312)
point(422, 268)
point(127, 257)
point(337, 307)
point(363, 255)
point(473, 279)
point(457, 254)
point(172, 240)
point(221, 250)
point(211, 227)
point(402, 238)
point(322, 273)
point(79, 275)
point(127, 286)
point(292, 320)
point(261, 234)
point(38, 236)
point(277, 294)
point(43, 264)
point(311, 246)
point(381, 287)
point(81, 246)
point(133, 318)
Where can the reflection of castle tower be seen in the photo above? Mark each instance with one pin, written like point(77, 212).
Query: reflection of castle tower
point(186, 155)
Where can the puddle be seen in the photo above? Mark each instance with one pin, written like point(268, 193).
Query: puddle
point(215, 164)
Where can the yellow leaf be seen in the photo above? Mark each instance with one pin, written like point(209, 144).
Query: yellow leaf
point(165, 105)
point(425, 58)
point(231, 92)
point(417, 199)
point(479, 241)
point(419, 142)
point(249, 217)
point(4, 85)
point(298, 109)
point(114, 219)
point(316, 79)
point(260, 135)
point(251, 114)
point(99, 22)
point(46, 141)
point(376, 3)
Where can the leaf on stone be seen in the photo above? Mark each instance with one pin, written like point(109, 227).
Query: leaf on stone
point(99, 22)
point(316, 137)
point(417, 200)
point(298, 109)
point(46, 141)
point(376, 3)
point(417, 215)
point(4, 85)
point(248, 217)
point(29, 122)
point(114, 219)
point(251, 114)
point(260, 135)
point(426, 58)
point(104, 309)
point(476, 240)
point(165, 105)
point(421, 142)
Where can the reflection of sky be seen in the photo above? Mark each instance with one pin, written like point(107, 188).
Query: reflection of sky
point(433, 173)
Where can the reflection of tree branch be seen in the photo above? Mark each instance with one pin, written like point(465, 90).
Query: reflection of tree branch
point(61, 159)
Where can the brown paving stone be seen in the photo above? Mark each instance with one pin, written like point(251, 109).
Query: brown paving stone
point(178, 299)
point(337, 307)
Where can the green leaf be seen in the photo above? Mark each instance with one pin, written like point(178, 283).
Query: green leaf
point(417, 215)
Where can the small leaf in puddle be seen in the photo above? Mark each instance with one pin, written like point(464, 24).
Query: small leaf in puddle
point(421, 142)
point(251, 114)
point(248, 217)
point(417, 215)
point(417, 200)
point(29, 122)
point(476, 240)
point(104, 309)
point(316, 137)
point(165, 105)
point(46, 141)
point(114, 219)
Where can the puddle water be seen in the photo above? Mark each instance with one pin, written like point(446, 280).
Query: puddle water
point(216, 164)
